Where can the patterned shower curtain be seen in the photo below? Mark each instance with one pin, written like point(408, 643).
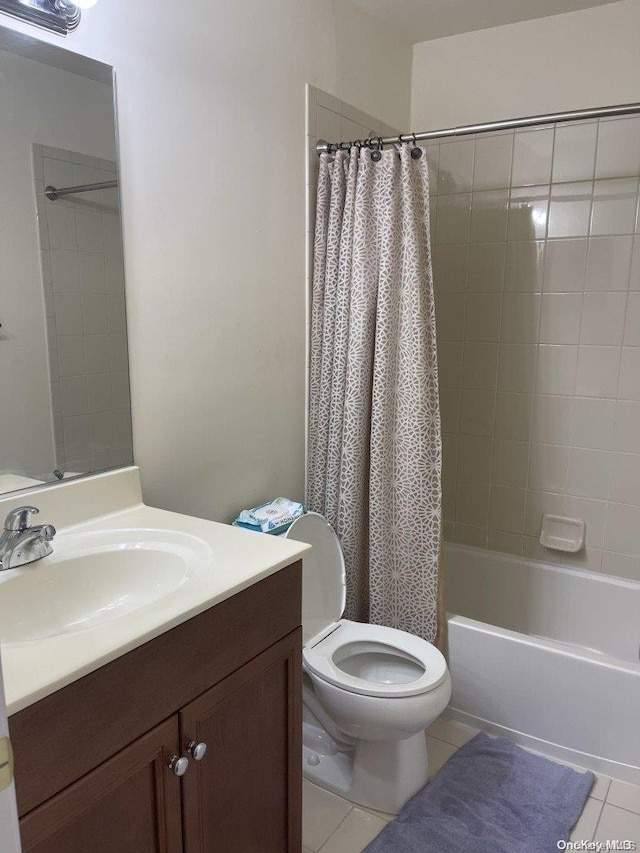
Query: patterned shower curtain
point(374, 431)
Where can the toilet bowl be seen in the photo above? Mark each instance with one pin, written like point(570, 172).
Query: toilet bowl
point(369, 691)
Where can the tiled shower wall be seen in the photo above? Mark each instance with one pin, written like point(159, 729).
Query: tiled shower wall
point(83, 278)
point(537, 276)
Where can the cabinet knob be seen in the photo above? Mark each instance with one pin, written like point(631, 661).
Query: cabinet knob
point(197, 751)
point(178, 765)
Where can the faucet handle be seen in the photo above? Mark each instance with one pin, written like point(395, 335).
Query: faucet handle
point(20, 519)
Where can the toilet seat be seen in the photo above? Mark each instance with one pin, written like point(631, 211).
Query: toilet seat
point(375, 661)
point(359, 658)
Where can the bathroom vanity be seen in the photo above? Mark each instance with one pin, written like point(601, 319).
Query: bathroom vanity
point(174, 725)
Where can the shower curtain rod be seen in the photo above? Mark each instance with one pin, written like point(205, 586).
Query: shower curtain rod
point(52, 193)
point(324, 147)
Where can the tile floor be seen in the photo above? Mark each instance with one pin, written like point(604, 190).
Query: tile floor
point(333, 825)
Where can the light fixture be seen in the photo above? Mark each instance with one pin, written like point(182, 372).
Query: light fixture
point(58, 16)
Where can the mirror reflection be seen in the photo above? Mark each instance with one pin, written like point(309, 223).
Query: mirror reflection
point(64, 380)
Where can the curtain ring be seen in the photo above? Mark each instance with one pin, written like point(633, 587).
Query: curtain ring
point(376, 154)
point(416, 153)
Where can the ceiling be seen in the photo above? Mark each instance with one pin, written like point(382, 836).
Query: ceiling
point(421, 20)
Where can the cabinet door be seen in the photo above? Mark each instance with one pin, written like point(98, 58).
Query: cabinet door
point(245, 795)
point(130, 804)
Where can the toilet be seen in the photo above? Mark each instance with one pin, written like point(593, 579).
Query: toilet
point(369, 691)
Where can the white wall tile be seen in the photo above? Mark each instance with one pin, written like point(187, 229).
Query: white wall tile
point(520, 317)
point(629, 388)
point(622, 529)
point(489, 210)
point(450, 308)
point(609, 263)
point(484, 311)
point(65, 273)
point(632, 322)
point(516, 367)
point(597, 371)
point(627, 434)
point(589, 473)
point(68, 314)
point(532, 156)
point(112, 234)
point(450, 363)
point(552, 419)
point(99, 393)
point(548, 467)
point(507, 510)
point(480, 365)
point(94, 314)
point(592, 513)
point(474, 459)
point(486, 267)
point(510, 464)
point(97, 354)
point(614, 206)
point(560, 318)
point(565, 265)
point(539, 503)
point(618, 148)
point(472, 504)
point(89, 228)
point(593, 422)
point(477, 412)
point(556, 369)
point(492, 169)
point(454, 218)
point(624, 486)
point(62, 227)
point(589, 559)
point(92, 273)
point(514, 416)
point(525, 266)
point(449, 409)
point(73, 395)
point(328, 125)
point(603, 316)
point(450, 265)
point(634, 277)
point(71, 357)
point(465, 534)
point(528, 213)
point(574, 151)
point(570, 209)
point(533, 550)
point(507, 543)
point(455, 168)
point(621, 565)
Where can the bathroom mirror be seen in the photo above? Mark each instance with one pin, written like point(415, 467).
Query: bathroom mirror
point(64, 377)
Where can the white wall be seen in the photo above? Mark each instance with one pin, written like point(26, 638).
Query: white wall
point(39, 104)
point(211, 118)
point(564, 62)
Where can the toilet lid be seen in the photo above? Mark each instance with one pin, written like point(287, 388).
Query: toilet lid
point(323, 577)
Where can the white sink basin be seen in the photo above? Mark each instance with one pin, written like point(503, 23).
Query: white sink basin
point(93, 578)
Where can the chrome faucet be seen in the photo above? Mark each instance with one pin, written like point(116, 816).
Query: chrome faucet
point(20, 543)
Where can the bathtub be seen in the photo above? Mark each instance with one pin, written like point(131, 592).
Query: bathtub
point(548, 656)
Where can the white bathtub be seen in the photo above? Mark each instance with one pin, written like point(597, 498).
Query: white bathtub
point(548, 656)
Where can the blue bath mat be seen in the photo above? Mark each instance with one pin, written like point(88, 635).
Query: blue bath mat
point(490, 797)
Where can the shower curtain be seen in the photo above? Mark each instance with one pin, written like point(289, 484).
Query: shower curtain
point(374, 431)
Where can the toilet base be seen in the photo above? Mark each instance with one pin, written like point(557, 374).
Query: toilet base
point(381, 775)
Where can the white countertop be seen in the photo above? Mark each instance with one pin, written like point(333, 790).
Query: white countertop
point(235, 559)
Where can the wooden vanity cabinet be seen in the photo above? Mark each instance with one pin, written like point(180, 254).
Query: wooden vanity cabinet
point(243, 796)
